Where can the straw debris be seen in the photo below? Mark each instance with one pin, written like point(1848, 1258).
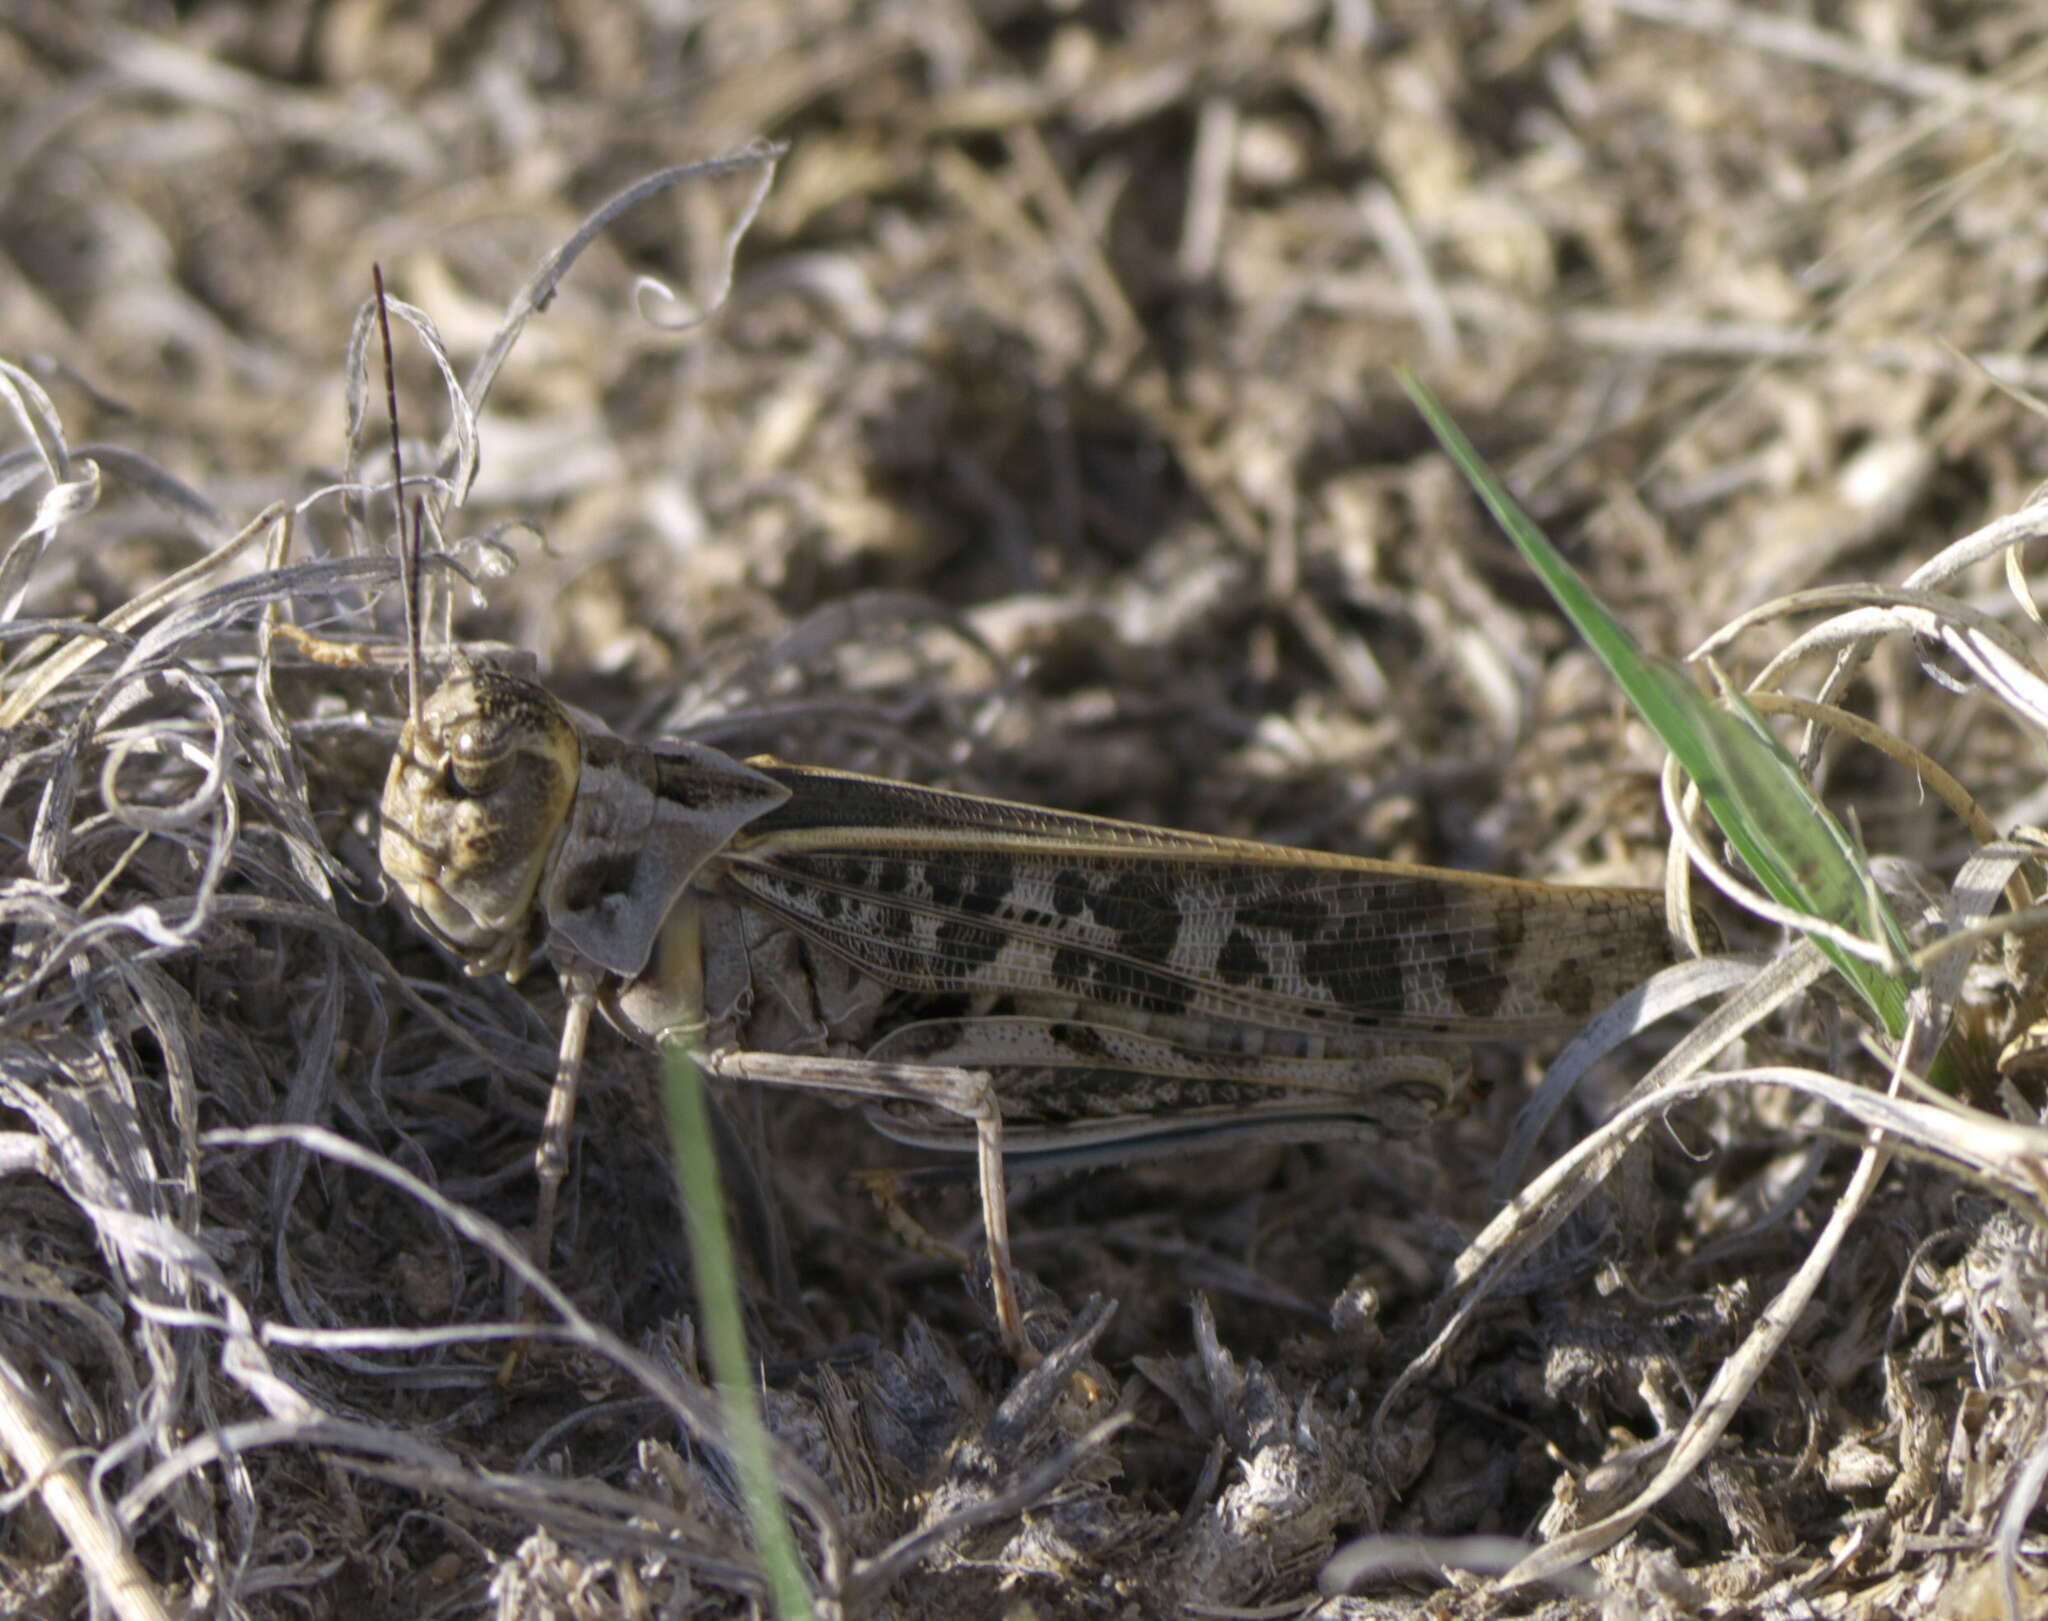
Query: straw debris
point(1043, 444)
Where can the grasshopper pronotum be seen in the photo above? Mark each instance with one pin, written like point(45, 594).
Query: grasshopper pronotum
point(1065, 985)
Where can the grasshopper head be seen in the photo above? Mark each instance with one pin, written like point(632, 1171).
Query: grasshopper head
point(478, 796)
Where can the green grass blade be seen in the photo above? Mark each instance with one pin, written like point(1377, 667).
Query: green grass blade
point(725, 1336)
point(1750, 784)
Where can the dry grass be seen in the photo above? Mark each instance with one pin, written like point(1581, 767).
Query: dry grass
point(1047, 446)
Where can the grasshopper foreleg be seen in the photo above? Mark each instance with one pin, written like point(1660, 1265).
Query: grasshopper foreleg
point(551, 1157)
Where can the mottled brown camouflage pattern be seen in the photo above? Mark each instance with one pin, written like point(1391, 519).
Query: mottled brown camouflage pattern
point(935, 891)
point(1094, 968)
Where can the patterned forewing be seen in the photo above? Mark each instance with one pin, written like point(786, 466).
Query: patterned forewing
point(944, 893)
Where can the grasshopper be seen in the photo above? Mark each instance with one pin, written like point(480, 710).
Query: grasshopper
point(1033, 983)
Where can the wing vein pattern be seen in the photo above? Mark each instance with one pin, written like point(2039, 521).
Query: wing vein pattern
point(946, 893)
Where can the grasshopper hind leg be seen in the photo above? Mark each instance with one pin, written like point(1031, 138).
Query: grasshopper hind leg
point(966, 1093)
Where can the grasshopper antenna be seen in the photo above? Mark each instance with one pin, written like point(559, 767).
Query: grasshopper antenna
point(409, 542)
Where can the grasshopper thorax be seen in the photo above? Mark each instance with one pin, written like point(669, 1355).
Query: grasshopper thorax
point(477, 799)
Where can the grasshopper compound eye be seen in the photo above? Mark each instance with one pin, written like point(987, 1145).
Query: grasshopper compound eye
point(479, 760)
